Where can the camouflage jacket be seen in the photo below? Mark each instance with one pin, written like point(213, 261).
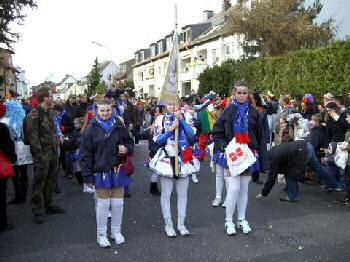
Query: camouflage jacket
point(41, 132)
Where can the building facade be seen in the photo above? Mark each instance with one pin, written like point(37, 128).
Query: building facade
point(8, 80)
point(201, 45)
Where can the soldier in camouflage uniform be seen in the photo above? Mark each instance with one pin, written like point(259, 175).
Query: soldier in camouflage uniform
point(41, 135)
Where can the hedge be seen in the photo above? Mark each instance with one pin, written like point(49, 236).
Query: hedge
point(317, 71)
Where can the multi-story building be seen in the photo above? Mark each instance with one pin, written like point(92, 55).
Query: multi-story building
point(8, 82)
point(125, 73)
point(22, 82)
point(201, 45)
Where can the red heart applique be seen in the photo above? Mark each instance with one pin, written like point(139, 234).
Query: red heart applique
point(235, 155)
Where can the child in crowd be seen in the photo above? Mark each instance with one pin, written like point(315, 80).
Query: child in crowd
point(330, 160)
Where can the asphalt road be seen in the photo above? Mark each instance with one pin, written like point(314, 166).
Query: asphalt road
point(315, 229)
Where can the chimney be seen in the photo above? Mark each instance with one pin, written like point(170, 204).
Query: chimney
point(226, 4)
point(207, 14)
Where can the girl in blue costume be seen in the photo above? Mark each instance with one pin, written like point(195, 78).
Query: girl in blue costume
point(164, 160)
point(104, 141)
point(238, 134)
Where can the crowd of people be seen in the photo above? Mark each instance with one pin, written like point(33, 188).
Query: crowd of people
point(292, 139)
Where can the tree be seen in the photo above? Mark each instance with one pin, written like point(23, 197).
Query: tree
point(101, 88)
point(94, 78)
point(12, 11)
point(275, 27)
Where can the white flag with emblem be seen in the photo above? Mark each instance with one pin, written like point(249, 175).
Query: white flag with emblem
point(170, 86)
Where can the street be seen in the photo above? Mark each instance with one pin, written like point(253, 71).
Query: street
point(315, 229)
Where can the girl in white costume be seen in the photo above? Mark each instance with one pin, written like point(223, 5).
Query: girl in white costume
point(238, 137)
point(163, 163)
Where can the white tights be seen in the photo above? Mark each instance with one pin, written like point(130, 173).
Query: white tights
point(181, 190)
point(154, 178)
point(237, 195)
point(221, 175)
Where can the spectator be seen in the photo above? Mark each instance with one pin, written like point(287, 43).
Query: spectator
point(336, 126)
point(7, 148)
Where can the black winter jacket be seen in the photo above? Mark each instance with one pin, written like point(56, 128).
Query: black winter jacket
point(335, 130)
point(288, 158)
point(223, 132)
point(7, 146)
point(316, 139)
point(99, 152)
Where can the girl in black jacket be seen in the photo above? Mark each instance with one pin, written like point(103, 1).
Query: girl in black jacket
point(104, 141)
point(239, 133)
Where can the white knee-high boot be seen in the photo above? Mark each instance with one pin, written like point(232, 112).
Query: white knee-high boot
point(117, 205)
point(102, 207)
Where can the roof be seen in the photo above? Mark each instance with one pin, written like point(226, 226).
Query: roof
point(65, 79)
point(215, 27)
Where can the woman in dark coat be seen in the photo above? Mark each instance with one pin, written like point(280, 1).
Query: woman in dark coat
point(239, 132)
point(104, 142)
point(7, 147)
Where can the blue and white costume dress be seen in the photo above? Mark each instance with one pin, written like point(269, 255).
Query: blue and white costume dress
point(161, 164)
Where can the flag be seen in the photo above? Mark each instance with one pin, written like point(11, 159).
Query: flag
point(170, 86)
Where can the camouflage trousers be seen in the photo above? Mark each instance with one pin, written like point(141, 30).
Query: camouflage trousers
point(44, 181)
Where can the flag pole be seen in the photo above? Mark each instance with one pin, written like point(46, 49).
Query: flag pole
point(176, 108)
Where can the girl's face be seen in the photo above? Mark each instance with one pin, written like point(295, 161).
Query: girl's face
point(170, 107)
point(113, 102)
point(241, 94)
point(104, 111)
point(303, 106)
point(78, 126)
point(313, 123)
point(282, 121)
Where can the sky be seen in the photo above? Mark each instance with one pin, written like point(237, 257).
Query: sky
point(56, 38)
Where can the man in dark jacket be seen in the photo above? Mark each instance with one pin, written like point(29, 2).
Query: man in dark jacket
point(291, 159)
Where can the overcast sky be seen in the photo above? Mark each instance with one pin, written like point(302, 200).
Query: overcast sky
point(56, 38)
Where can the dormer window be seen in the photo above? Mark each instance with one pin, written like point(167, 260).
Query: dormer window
point(160, 47)
point(136, 57)
point(153, 50)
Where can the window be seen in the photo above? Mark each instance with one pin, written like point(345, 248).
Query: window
point(141, 76)
point(136, 58)
point(227, 50)
point(153, 50)
point(168, 43)
point(160, 47)
point(214, 51)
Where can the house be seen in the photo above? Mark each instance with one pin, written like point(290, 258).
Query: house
point(107, 70)
point(68, 85)
point(8, 82)
point(201, 45)
point(22, 83)
point(125, 73)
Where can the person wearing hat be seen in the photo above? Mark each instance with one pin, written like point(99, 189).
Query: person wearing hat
point(336, 126)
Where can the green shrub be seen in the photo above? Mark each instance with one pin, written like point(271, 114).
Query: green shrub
point(316, 71)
